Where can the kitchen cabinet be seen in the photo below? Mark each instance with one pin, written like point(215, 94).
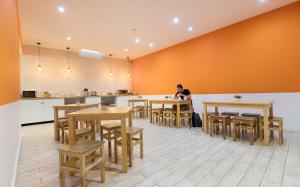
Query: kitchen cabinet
point(92, 100)
point(38, 110)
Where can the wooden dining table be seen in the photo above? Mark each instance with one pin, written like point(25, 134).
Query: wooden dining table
point(99, 114)
point(131, 102)
point(175, 102)
point(266, 107)
point(67, 108)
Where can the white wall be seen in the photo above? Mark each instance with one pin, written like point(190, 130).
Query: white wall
point(286, 105)
point(86, 73)
point(9, 142)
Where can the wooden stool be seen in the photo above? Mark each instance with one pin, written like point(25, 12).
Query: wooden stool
point(62, 126)
point(85, 152)
point(257, 116)
point(139, 111)
point(219, 120)
point(169, 117)
point(82, 133)
point(157, 115)
point(131, 141)
point(275, 123)
point(109, 135)
point(186, 116)
point(245, 124)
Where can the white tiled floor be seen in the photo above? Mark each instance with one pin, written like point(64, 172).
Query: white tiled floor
point(173, 157)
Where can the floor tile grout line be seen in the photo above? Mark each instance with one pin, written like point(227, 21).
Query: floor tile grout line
point(267, 164)
point(261, 148)
point(290, 137)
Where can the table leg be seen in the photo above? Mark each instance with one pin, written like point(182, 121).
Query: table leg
point(271, 124)
point(130, 117)
point(178, 116)
point(56, 130)
point(205, 122)
point(145, 109)
point(266, 127)
point(124, 145)
point(150, 112)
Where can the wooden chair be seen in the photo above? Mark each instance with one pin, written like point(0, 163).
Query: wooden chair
point(275, 123)
point(109, 134)
point(132, 140)
point(169, 117)
point(86, 153)
point(245, 124)
point(186, 117)
point(157, 115)
point(219, 120)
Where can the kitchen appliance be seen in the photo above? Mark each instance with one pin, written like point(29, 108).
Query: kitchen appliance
point(29, 94)
point(93, 93)
point(122, 92)
point(85, 92)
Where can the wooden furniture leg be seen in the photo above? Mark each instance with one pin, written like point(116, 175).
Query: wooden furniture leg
point(178, 116)
point(124, 145)
point(56, 129)
point(151, 112)
point(266, 127)
point(205, 122)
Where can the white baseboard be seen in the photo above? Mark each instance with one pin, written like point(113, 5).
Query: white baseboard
point(15, 172)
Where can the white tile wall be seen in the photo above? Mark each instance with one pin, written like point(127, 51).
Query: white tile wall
point(86, 72)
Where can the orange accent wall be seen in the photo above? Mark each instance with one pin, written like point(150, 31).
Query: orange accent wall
point(258, 55)
point(9, 52)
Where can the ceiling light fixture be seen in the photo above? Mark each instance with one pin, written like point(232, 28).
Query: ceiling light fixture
point(69, 38)
point(39, 54)
point(176, 20)
point(61, 9)
point(68, 61)
point(137, 40)
point(128, 66)
point(126, 50)
point(190, 28)
point(151, 45)
point(262, 1)
point(110, 72)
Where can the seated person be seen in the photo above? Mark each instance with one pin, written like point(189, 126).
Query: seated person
point(183, 94)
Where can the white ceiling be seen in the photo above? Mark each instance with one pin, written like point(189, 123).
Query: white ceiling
point(106, 25)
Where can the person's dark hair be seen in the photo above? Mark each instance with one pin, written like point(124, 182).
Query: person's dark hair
point(179, 86)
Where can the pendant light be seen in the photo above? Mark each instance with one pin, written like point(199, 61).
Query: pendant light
point(68, 60)
point(128, 66)
point(110, 72)
point(39, 53)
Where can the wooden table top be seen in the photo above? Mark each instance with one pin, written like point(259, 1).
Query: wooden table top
point(137, 100)
point(102, 111)
point(74, 105)
point(245, 103)
point(172, 101)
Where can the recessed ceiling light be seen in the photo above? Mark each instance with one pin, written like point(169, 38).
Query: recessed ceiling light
point(190, 28)
point(126, 50)
point(137, 40)
point(176, 20)
point(151, 45)
point(61, 9)
point(262, 1)
point(69, 38)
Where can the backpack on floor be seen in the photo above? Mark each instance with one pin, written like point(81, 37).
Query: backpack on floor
point(197, 122)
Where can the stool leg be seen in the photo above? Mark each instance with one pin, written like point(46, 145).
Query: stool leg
point(109, 142)
point(211, 128)
point(82, 173)
point(280, 133)
point(252, 136)
point(224, 129)
point(234, 131)
point(141, 145)
point(116, 147)
point(101, 133)
point(229, 128)
point(63, 135)
point(129, 150)
point(61, 171)
point(102, 164)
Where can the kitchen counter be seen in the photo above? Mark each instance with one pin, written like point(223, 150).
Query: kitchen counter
point(114, 95)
